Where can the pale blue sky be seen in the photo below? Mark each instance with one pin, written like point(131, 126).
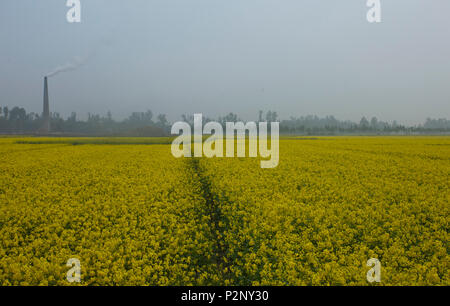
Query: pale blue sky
point(297, 57)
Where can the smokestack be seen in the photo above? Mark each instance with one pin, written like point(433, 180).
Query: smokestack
point(46, 113)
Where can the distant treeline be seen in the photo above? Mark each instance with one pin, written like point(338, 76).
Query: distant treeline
point(18, 121)
point(313, 125)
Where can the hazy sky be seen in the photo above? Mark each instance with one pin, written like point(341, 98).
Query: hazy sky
point(297, 57)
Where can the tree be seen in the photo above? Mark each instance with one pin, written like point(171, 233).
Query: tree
point(374, 123)
point(274, 117)
point(162, 121)
point(229, 118)
point(364, 123)
point(18, 114)
point(271, 116)
point(73, 117)
point(6, 111)
point(260, 117)
point(148, 116)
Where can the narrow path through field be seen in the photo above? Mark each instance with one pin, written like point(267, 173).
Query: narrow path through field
point(217, 222)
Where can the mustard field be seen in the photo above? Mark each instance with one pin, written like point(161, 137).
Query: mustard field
point(135, 215)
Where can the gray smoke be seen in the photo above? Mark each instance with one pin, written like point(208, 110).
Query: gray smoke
point(74, 64)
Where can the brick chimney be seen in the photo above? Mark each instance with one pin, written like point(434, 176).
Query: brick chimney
point(46, 112)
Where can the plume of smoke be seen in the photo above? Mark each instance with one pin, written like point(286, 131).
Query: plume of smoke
point(79, 61)
point(74, 64)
